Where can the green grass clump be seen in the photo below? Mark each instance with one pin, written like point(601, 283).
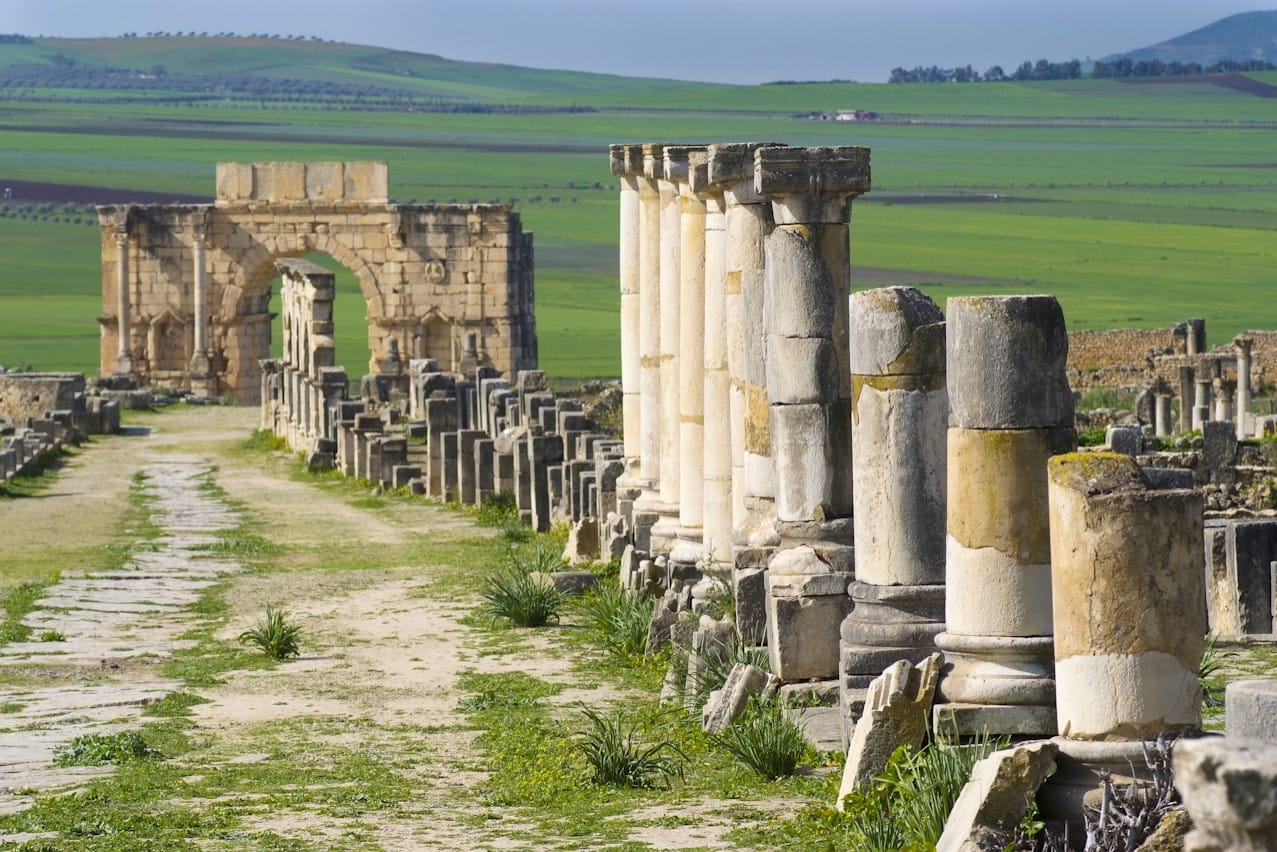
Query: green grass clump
point(619, 618)
point(620, 756)
point(765, 739)
point(275, 635)
point(1104, 398)
point(16, 603)
point(520, 594)
point(104, 750)
point(716, 664)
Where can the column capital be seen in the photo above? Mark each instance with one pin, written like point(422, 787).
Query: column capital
point(676, 161)
point(734, 161)
point(121, 238)
point(1243, 344)
point(653, 160)
point(818, 172)
point(626, 160)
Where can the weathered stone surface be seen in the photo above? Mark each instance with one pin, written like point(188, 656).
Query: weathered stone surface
point(583, 542)
point(896, 713)
point(1230, 791)
point(1219, 444)
point(726, 704)
point(1127, 592)
point(1018, 379)
point(1001, 788)
point(1250, 709)
point(896, 331)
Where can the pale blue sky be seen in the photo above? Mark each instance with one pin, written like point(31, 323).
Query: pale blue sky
point(740, 41)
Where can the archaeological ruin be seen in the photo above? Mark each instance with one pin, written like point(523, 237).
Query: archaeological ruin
point(191, 283)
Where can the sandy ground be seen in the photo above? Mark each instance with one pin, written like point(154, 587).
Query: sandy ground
point(382, 650)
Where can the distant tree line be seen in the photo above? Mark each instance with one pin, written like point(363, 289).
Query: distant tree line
point(14, 38)
point(1072, 70)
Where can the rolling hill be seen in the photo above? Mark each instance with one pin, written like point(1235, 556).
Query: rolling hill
point(1240, 38)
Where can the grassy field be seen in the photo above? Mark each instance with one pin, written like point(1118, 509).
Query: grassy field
point(1136, 204)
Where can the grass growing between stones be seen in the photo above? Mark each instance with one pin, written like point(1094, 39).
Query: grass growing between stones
point(38, 477)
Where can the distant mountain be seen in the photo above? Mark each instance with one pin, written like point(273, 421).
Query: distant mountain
point(1241, 37)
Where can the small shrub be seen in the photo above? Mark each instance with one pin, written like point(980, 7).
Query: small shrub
point(499, 510)
point(103, 750)
point(1210, 671)
point(714, 667)
point(275, 635)
point(619, 757)
point(1094, 436)
point(515, 595)
point(53, 636)
point(765, 739)
point(620, 618)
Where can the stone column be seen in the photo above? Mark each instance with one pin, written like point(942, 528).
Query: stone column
point(1162, 414)
point(1201, 402)
point(645, 160)
point(901, 417)
point(716, 498)
point(687, 552)
point(670, 285)
point(1243, 345)
point(622, 163)
point(809, 396)
point(124, 320)
point(200, 366)
point(1223, 400)
point(1127, 596)
point(748, 221)
point(1186, 386)
point(1011, 409)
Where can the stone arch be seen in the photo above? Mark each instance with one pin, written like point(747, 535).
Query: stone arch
point(257, 266)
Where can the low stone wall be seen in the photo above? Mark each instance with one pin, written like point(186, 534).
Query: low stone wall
point(27, 396)
point(1092, 350)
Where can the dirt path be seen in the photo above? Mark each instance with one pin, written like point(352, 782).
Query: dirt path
point(369, 584)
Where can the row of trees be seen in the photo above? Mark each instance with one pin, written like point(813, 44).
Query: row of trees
point(193, 34)
point(1071, 70)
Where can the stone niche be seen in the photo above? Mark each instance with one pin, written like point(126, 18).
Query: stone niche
point(448, 282)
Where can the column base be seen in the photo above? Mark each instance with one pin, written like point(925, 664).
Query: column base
point(1012, 678)
point(200, 365)
point(124, 365)
point(664, 533)
point(1077, 784)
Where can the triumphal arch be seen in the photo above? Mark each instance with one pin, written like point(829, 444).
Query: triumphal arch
point(192, 282)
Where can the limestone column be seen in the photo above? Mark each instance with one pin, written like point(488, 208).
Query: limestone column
point(1201, 402)
point(643, 162)
point(809, 395)
point(1186, 397)
point(670, 285)
point(900, 422)
point(749, 221)
point(1162, 414)
point(1223, 400)
point(631, 357)
point(687, 551)
point(1011, 409)
point(1243, 346)
point(123, 318)
point(200, 366)
point(716, 498)
point(1127, 595)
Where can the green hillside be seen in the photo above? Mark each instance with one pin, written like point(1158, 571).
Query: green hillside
point(1136, 202)
point(1241, 37)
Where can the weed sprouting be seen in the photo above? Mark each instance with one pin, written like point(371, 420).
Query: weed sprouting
point(765, 739)
point(619, 618)
point(103, 750)
point(619, 756)
point(276, 635)
point(521, 592)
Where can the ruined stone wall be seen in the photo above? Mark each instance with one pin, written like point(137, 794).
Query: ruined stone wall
point(451, 282)
point(28, 396)
point(1092, 350)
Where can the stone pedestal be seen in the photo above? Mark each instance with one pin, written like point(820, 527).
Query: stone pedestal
point(900, 417)
point(1011, 410)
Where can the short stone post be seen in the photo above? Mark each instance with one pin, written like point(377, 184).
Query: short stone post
point(1243, 345)
point(901, 417)
point(1162, 414)
point(1011, 409)
point(1128, 598)
point(1201, 402)
point(809, 391)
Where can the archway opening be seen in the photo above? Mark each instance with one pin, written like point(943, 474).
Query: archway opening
point(350, 319)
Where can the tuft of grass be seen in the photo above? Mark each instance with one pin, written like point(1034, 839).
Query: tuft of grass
point(276, 635)
point(765, 739)
point(619, 756)
point(717, 664)
point(174, 704)
point(104, 750)
point(53, 636)
point(619, 618)
point(514, 595)
point(1210, 672)
point(16, 603)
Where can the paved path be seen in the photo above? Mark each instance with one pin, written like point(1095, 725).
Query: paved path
point(109, 618)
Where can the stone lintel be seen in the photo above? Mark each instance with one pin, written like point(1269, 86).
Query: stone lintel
point(816, 172)
point(734, 161)
point(626, 160)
